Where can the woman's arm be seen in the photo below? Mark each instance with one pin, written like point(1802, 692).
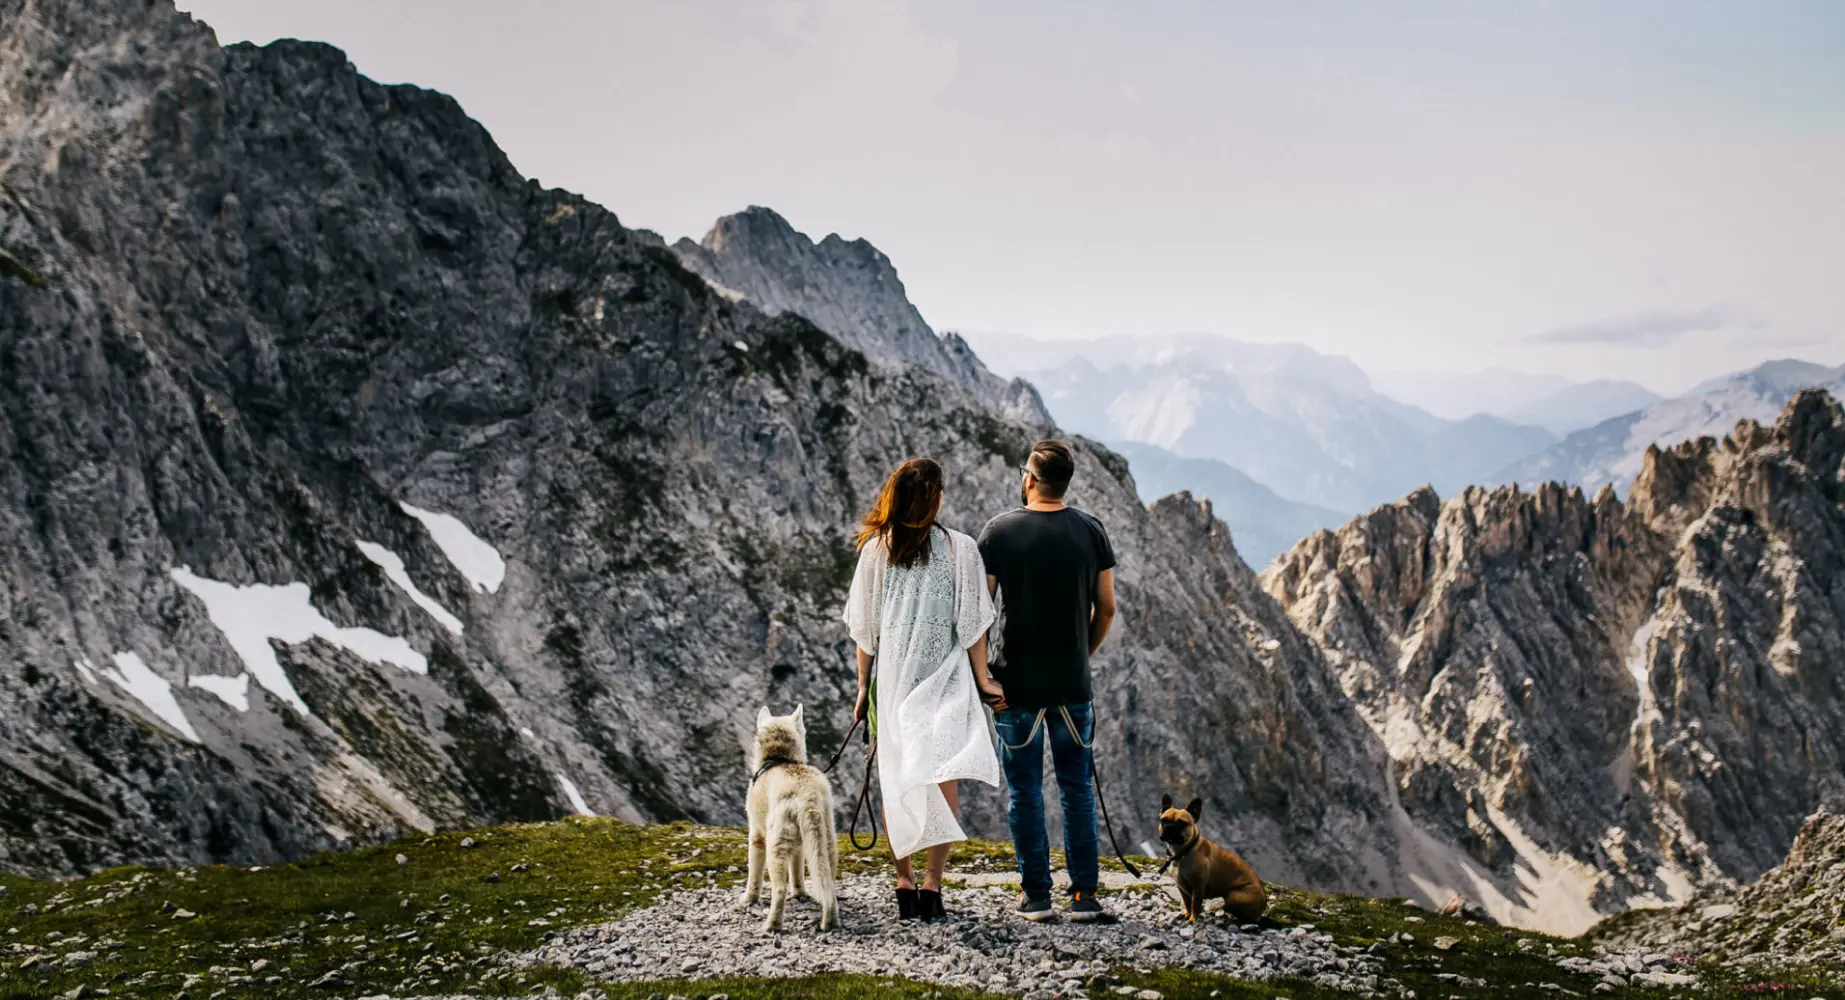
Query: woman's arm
point(863, 705)
point(990, 691)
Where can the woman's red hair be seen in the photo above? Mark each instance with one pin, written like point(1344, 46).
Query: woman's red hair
point(905, 512)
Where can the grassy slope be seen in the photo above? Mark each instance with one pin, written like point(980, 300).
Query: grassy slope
point(436, 923)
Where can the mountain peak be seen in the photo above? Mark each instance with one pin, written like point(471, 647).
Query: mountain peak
point(848, 288)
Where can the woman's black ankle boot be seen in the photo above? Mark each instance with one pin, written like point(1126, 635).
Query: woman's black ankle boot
point(908, 906)
point(929, 901)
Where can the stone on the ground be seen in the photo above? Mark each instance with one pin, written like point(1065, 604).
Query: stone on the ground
point(983, 946)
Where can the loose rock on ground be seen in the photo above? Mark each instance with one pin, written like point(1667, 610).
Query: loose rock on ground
point(702, 934)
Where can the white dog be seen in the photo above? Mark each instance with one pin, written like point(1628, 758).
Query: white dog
point(791, 820)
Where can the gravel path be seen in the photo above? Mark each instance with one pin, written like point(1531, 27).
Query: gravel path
point(701, 934)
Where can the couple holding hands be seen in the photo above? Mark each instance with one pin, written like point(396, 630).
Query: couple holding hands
point(921, 611)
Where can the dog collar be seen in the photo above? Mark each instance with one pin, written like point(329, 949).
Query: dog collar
point(771, 762)
point(1172, 855)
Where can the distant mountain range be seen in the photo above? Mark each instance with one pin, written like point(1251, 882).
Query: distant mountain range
point(1553, 402)
point(1279, 434)
point(1263, 523)
point(1612, 452)
point(1586, 404)
point(1307, 425)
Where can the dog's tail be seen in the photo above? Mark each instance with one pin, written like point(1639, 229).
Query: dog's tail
point(820, 838)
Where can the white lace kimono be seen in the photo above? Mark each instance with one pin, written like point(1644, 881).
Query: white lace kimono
point(918, 623)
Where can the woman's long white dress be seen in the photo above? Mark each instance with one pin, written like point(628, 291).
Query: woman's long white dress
point(918, 623)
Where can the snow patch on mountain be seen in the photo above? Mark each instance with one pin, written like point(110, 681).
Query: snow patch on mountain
point(86, 670)
point(233, 691)
point(480, 562)
point(251, 616)
point(575, 797)
point(393, 566)
point(134, 676)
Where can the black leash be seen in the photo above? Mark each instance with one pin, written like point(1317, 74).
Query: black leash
point(864, 788)
point(1173, 856)
point(1107, 823)
point(1095, 773)
point(1095, 777)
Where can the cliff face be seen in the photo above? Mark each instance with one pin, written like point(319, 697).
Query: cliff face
point(1794, 914)
point(1629, 700)
point(353, 484)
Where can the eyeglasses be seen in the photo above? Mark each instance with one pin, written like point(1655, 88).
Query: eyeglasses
point(1025, 470)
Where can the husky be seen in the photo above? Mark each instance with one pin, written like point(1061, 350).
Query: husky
point(791, 821)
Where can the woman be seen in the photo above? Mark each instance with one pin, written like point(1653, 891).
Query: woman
point(919, 612)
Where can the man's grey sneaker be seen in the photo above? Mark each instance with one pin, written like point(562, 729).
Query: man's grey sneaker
point(1086, 909)
point(1035, 910)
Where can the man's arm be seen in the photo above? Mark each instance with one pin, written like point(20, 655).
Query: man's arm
point(1104, 613)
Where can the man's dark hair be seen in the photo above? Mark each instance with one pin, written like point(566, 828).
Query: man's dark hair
point(1053, 465)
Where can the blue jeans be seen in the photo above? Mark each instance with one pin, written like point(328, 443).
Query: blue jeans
point(1021, 755)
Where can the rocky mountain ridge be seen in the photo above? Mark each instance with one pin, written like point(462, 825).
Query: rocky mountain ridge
point(851, 290)
point(1603, 692)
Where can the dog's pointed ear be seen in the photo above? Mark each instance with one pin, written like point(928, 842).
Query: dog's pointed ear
point(1165, 803)
point(763, 717)
point(797, 715)
point(1196, 808)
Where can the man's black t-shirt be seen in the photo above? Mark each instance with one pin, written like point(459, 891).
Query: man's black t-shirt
point(1048, 563)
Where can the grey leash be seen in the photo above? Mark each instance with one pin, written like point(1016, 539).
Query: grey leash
point(1095, 776)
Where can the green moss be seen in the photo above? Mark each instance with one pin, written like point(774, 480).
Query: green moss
point(13, 267)
point(693, 285)
point(505, 782)
point(819, 568)
point(433, 925)
point(994, 436)
point(790, 345)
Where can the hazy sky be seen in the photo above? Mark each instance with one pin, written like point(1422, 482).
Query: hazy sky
point(1649, 189)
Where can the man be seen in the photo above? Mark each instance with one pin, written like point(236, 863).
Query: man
point(1052, 568)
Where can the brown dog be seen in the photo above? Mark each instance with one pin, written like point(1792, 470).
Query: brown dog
point(1204, 870)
